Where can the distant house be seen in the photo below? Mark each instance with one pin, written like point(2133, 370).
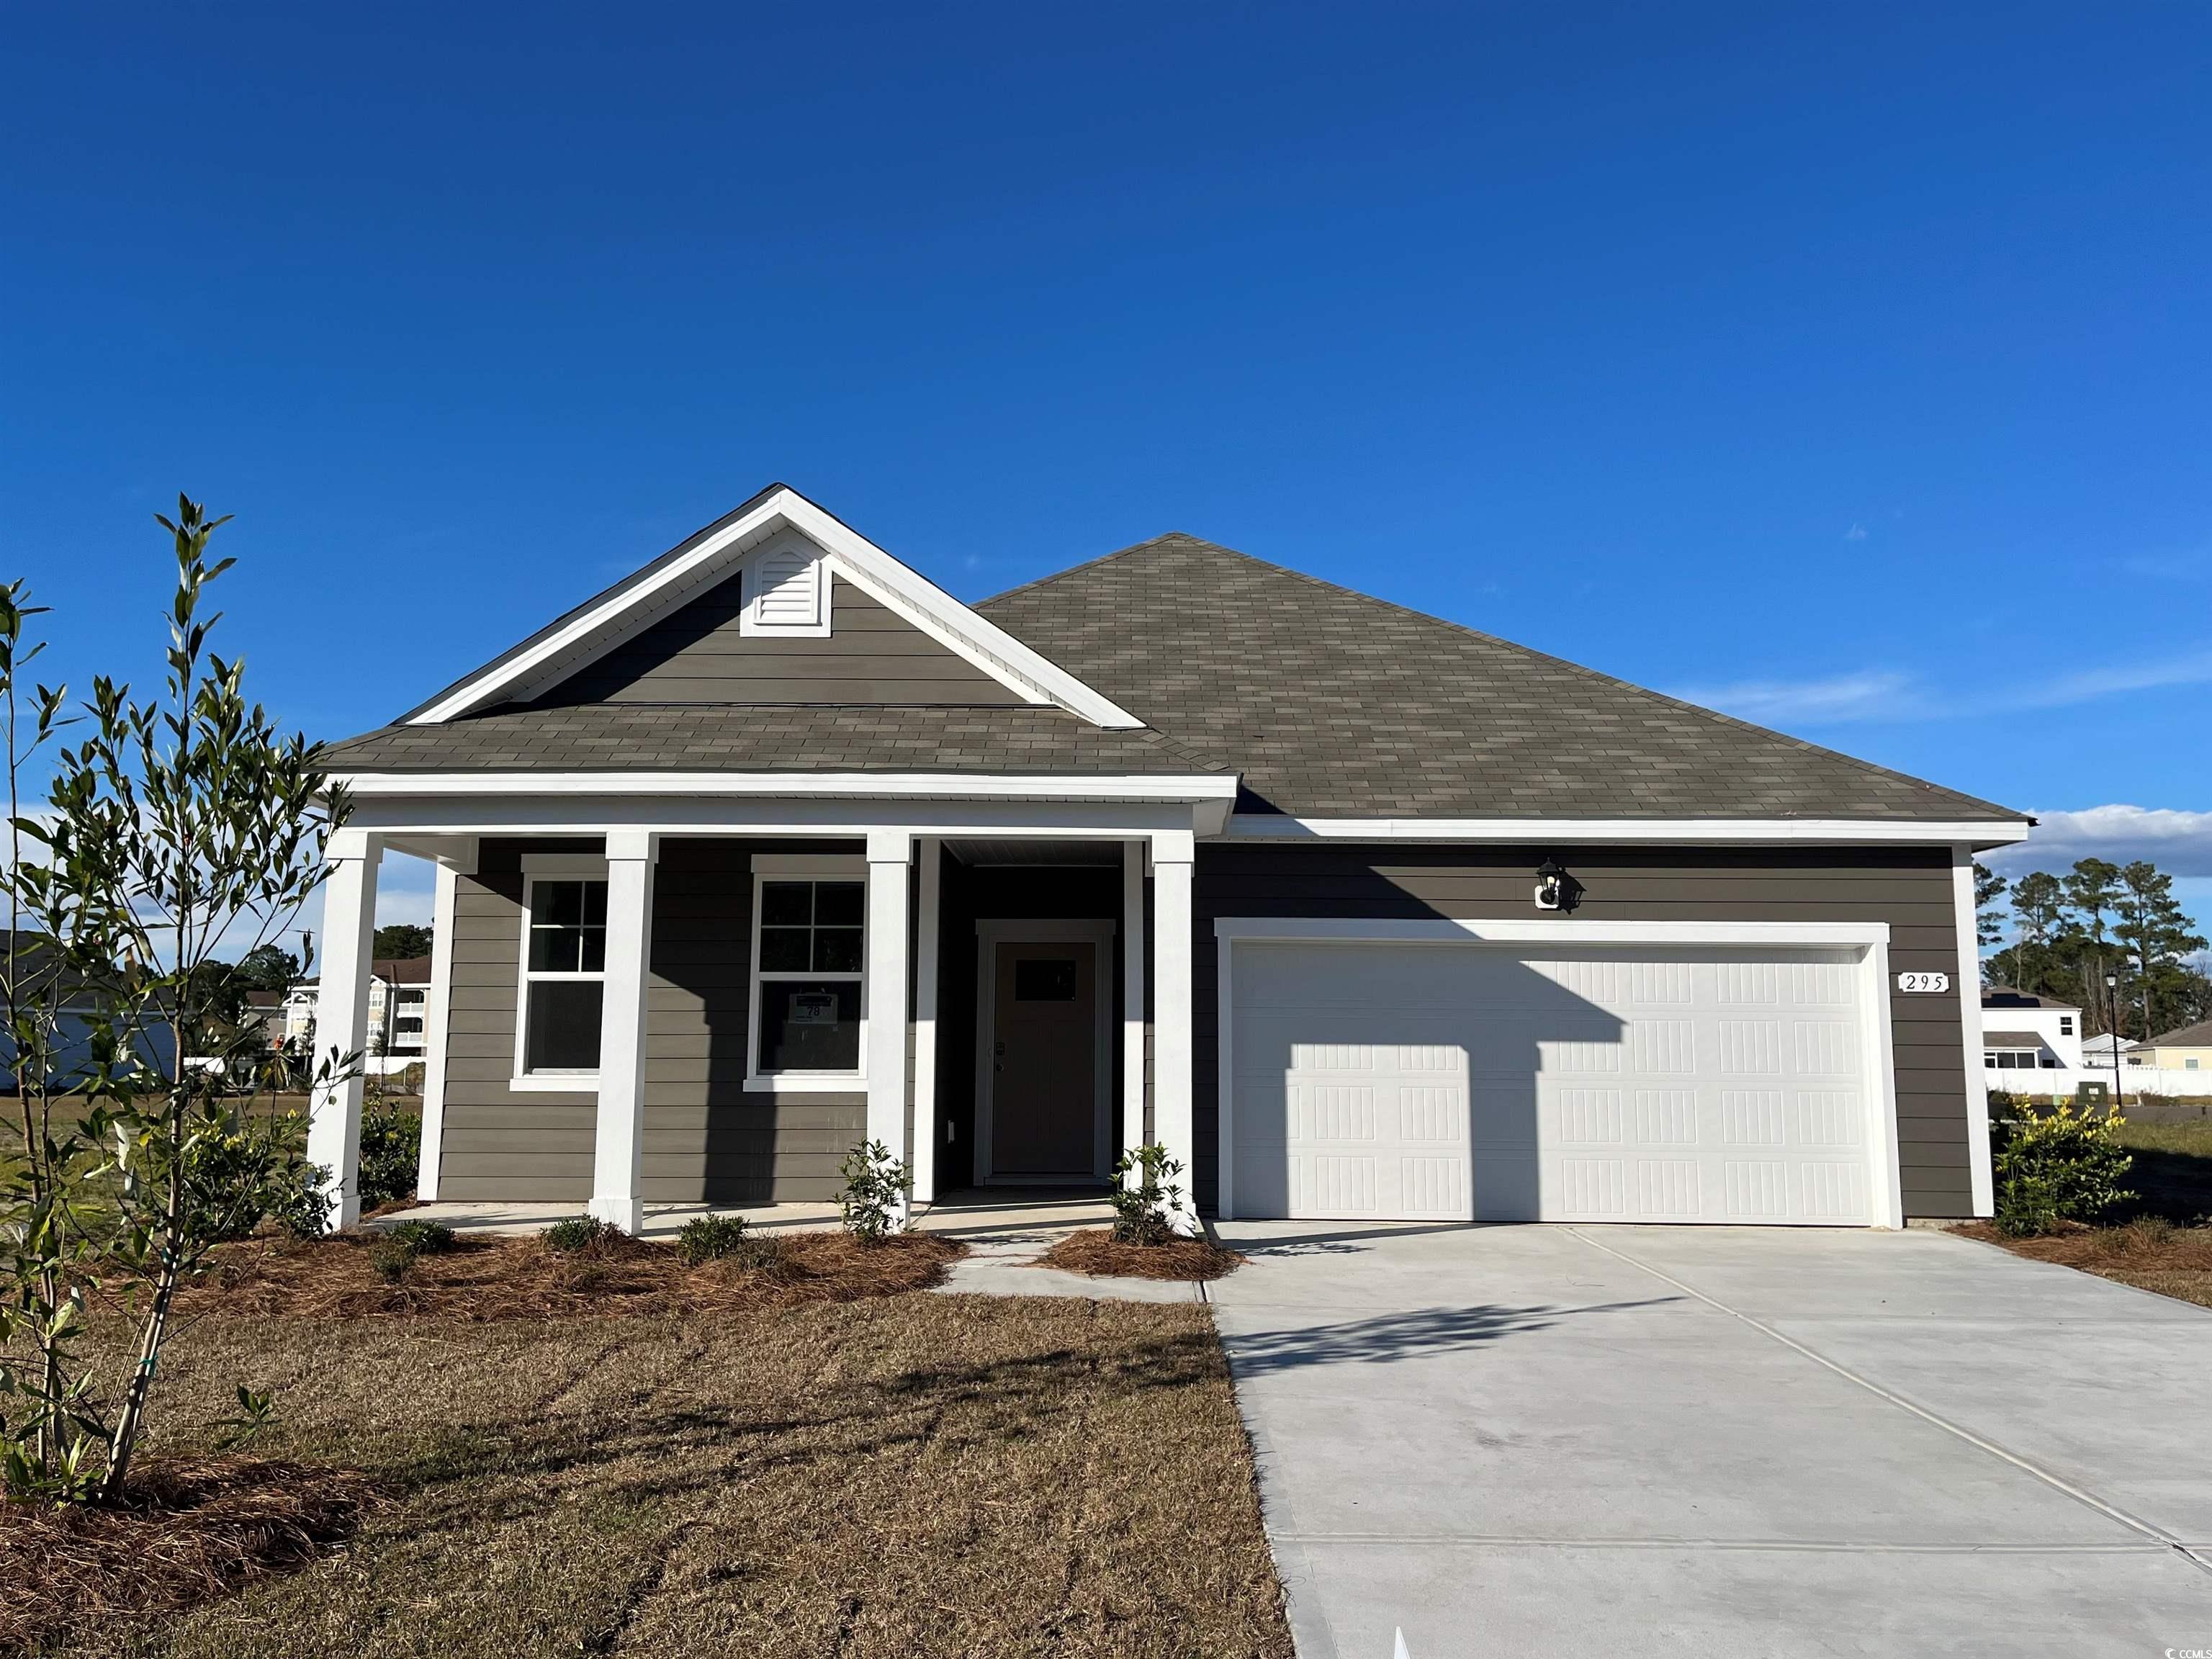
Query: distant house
point(2188, 1049)
point(2097, 1051)
point(398, 993)
point(77, 1015)
point(2024, 1032)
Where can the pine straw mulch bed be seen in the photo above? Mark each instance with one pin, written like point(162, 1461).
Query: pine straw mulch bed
point(193, 1529)
point(2151, 1254)
point(1096, 1251)
point(501, 1278)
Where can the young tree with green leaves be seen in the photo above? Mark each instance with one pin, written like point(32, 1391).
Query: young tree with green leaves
point(178, 826)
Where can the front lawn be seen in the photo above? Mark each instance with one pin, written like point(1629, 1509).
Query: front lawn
point(905, 1474)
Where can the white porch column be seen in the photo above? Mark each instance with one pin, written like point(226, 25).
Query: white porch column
point(1981, 1178)
point(452, 867)
point(1172, 1048)
point(341, 1015)
point(1132, 995)
point(888, 851)
point(926, 1134)
point(619, 1130)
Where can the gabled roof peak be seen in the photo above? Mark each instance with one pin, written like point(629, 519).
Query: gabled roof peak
point(586, 632)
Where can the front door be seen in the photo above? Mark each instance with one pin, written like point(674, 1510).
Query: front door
point(1044, 1060)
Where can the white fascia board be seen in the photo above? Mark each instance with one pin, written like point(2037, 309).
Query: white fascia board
point(1831, 832)
point(920, 601)
point(1204, 787)
point(1452, 931)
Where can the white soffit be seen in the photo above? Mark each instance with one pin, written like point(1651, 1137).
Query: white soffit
point(902, 590)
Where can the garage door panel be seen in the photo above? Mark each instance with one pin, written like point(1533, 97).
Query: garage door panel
point(1391, 1080)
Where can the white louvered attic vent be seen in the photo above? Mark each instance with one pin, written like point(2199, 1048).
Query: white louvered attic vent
point(786, 593)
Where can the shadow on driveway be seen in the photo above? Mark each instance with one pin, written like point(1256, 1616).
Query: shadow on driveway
point(1384, 1339)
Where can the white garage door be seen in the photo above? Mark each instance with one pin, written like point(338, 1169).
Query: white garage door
point(1481, 1083)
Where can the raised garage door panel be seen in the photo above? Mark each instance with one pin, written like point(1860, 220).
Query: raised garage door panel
point(1459, 1082)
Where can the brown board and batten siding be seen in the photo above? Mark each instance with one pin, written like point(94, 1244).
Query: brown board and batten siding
point(1908, 888)
point(707, 1137)
point(696, 655)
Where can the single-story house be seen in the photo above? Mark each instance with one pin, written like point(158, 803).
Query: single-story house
point(2022, 1031)
point(774, 847)
point(2186, 1049)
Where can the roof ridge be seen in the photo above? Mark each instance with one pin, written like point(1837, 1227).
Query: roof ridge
point(1602, 678)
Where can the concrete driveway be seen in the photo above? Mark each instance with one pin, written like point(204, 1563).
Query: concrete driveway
point(1534, 1440)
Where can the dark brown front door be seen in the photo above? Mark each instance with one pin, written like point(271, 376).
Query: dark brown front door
point(1044, 1063)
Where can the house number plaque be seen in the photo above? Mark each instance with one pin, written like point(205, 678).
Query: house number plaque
point(1910, 983)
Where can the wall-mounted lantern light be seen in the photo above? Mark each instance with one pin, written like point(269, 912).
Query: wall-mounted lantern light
point(1555, 889)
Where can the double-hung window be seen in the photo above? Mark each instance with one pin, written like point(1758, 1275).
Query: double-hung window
point(564, 961)
point(810, 925)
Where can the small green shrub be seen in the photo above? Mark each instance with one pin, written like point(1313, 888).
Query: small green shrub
point(710, 1237)
point(1147, 1212)
point(391, 1258)
point(2063, 1166)
point(425, 1237)
point(2027, 1206)
point(874, 1199)
point(390, 1148)
point(580, 1232)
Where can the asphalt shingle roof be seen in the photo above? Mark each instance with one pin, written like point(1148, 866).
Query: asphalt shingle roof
point(1334, 703)
point(757, 738)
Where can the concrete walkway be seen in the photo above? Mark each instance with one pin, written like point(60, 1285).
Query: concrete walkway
point(1538, 1441)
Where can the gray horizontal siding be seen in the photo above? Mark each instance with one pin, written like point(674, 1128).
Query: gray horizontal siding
point(697, 655)
point(1909, 888)
point(706, 1137)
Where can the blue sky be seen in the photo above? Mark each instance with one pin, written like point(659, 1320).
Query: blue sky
point(1843, 367)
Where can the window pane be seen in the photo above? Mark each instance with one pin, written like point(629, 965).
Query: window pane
point(786, 903)
point(564, 1033)
point(783, 950)
point(840, 903)
point(555, 949)
point(591, 949)
point(810, 1026)
point(558, 903)
point(595, 904)
point(1044, 981)
point(836, 950)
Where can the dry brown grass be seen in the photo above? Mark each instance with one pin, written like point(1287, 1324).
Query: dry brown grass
point(1096, 1251)
point(2151, 1253)
point(493, 1279)
point(902, 1475)
point(193, 1529)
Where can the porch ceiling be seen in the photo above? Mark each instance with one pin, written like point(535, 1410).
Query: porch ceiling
point(1068, 851)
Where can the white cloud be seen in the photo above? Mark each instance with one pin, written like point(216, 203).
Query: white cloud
point(1879, 695)
point(1875, 695)
point(2178, 842)
point(1855, 533)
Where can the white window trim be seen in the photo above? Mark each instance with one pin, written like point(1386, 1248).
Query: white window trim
point(750, 625)
point(809, 867)
point(537, 867)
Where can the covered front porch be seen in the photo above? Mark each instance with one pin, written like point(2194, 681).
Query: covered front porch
point(687, 997)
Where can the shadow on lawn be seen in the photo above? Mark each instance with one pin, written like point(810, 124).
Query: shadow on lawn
point(679, 1448)
point(1384, 1339)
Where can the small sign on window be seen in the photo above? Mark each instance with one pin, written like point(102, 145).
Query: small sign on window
point(814, 1008)
point(1912, 984)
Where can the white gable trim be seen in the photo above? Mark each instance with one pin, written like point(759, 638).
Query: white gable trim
point(906, 592)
